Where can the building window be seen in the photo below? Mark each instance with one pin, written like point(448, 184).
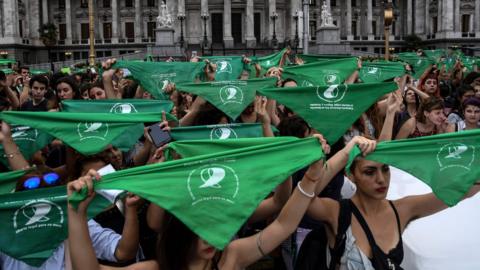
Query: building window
point(84, 3)
point(151, 29)
point(151, 3)
point(354, 28)
point(465, 23)
point(128, 3)
point(354, 3)
point(434, 25)
point(374, 3)
point(84, 31)
point(374, 28)
point(20, 28)
point(333, 3)
point(129, 30)
point(106, 4)
point(62, 31)
point(107, 30)
point(61, 4)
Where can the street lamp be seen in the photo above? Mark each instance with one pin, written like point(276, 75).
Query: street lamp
point(274, 17)
point(4, 54)
point(296, 41)
point(181, 17)
point(205, 17)
point(388, 18)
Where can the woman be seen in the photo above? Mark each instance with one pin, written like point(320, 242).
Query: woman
point(471, 112)
point(384, 220)
point(67, 89)
point(464, 92)
point(430, 85)
point(194, 253)
point(430, 120)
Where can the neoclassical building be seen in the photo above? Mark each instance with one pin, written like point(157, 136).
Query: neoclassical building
point(124, 26)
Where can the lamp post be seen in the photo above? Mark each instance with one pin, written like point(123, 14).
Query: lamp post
point(4, 54)
point(388, 18)
point(274, 17)
point(91, 56)
point(205, 17)
point(181, 17)
point(296, 40)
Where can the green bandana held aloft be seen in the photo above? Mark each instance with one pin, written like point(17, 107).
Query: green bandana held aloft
point(8, 180)
point(88, 133)
point(215, 194)
point(212, 132)
point(34, 223)
point(418, 63)
point(448, 163)
point(229, 68)
point(29, 140)
point(155, 76)
point(321, 72)
point(373, 72)
point(231, 97)
point(310, 58)
point(202, 147)
point(131, 135)
point(330, 109)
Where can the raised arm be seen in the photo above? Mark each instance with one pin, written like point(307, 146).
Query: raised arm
point(128, 245)
point(243, 252)
point(407, 128)
point(273, 204)
point(394, 102)
point(15, 158)
point(260, 107)
point(107, 78)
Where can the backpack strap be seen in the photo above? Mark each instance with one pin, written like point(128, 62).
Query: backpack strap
point(344, 220)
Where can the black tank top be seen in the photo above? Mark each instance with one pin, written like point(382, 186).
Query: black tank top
point(395, 254)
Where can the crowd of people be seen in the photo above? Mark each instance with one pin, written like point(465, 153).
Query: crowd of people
point(142, 235)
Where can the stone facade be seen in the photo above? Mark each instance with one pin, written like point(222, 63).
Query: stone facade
point(123, 26)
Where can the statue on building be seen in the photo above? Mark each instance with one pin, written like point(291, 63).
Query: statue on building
point(326, 15)
point(164, 20)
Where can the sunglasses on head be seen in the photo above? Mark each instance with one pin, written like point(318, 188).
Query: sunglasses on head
point(35, 181)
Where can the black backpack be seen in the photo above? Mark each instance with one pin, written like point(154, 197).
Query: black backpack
point(312, 254)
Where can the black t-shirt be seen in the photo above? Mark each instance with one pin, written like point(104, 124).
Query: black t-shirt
point(40, 107)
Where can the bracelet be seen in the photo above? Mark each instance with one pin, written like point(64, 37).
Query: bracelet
point(309, 195)
point(310, 178)
point(11, 155)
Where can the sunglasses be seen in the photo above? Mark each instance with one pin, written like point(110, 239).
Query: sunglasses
point(34, 182)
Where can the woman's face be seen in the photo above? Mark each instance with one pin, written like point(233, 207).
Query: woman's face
point(97, 93)
point(472, 114)
point(205, 251)
point(435, 116)
point(371, 178)
point(64, 91)
point(468, 94)
point(430, 86)
point(410, 97)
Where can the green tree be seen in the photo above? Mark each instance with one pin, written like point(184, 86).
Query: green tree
point(49, 37)
point(413, 42)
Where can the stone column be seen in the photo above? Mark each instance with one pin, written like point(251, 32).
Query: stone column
point(10, 21)
point(34, 21)
point(348, 18)
point(457, 19)
point(426, 15)
point(272, 7)
point(477, 18)
point(204, 10)
point(370, 20)
point(439, 18)
point(138, 21)
point(115, 33)
point(249, 34)
point(409, 17)
point(447, 19)
point(68, 20)
point(419, 12)
point(44, 11)
point(227, 24)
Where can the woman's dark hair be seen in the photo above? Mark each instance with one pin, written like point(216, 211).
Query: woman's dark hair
point(80, 161)
point(39, 78)
point(287, 80)
point(473, 101)
point(430, 104)
point(85, 87)
point(293, 126)
point(471, 77)
point(72, 83)
point(176, 245)
point(209, 115)
point(417, 99)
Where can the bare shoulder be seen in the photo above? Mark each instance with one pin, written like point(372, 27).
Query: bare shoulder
point(418, 206)
point(326, 210)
